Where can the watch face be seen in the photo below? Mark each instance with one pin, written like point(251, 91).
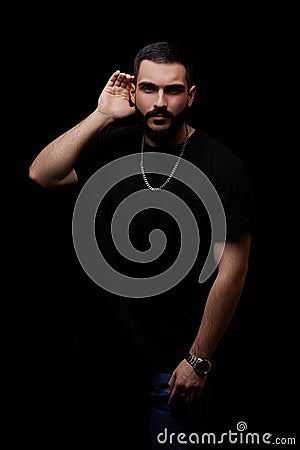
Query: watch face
point(203, 366)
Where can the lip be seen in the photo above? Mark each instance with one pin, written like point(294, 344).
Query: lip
point(159, 117)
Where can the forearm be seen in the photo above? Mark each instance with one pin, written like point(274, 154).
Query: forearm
point(56, 161)
point(219, 309)
point(224, 296)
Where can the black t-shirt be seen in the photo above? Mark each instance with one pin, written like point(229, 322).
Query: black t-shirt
point(155, 332)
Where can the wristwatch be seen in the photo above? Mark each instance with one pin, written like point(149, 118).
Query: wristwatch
point(201, 365)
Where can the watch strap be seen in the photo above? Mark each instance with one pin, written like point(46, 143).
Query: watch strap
point(191, 359)
point(195, 361)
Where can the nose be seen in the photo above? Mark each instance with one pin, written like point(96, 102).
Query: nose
point(161, 99)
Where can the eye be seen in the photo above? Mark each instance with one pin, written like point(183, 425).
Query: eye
point(148, 88)
point(174, 90)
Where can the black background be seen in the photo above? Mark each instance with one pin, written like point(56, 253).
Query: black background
point(58, 65)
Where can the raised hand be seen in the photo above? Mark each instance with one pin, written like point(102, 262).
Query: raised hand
point(114, 100)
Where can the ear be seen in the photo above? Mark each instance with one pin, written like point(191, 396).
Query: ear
point(132, 93)
point(191, 95)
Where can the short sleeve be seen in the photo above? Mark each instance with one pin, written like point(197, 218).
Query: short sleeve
point(239, 202)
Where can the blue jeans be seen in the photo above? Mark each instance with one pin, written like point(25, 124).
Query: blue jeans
point(171, 429)
point(134, 415)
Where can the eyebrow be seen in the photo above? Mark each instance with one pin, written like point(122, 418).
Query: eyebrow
point(149, 84)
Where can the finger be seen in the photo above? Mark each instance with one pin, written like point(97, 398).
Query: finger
point(124, 82)
point(172, 397)
point(113, 78)
point(171, 383)
point(120, 79)
point(193, 398)
point(129, 78)
point(190, 400)
point(171, 393)
point(175, 394)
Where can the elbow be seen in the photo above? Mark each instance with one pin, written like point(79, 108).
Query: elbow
point(36, 176)
point(48, 181)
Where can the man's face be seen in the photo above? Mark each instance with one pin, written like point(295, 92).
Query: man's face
point(162, 98)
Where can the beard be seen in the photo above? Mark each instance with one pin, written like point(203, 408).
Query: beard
point(161, 135)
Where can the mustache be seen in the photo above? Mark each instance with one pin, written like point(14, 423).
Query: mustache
point(159, 111)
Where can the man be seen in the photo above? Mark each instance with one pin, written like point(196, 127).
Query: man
point(167, 338)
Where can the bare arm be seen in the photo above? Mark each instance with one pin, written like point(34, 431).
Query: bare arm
point(54, 165)
point(224, 296)
point(220, 306)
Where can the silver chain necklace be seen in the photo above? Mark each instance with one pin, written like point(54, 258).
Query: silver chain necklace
point(174, 167)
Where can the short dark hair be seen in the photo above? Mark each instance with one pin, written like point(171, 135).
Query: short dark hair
point(166, 53)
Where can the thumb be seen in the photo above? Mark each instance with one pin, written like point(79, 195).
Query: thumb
point(171, 382)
